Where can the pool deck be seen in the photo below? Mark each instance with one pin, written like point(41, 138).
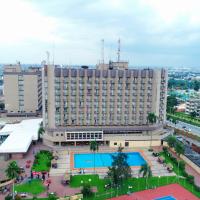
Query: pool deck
point(66, 162)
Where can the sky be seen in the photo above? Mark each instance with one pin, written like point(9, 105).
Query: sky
point(152, 32)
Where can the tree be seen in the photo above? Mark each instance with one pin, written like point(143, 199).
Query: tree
point(171, 141)
point(12, 172)
point(196, 85)
point(86, 190)
point(2, 106)
point(94, 147)
point(146, 172)
point(151, 118)
point(171, 103)
point(120, 169)
point(193, 114)
point(179, 148)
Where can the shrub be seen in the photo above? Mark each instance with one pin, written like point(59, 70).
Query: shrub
point(182, 165)
point(150, 149)
point(165, 150)
point(86, 190)
point(185, 174)
point(8, 197)
point(197, 188)
point(52, 197)
point(18, 197)
point(190, 179)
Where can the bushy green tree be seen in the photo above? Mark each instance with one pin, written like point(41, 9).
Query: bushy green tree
point(193, 114)
point(120, 170)
point(171, 141)
point(86, 190)
point(171, 103)
point(179, 148)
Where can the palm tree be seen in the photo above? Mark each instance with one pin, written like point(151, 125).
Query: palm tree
point(12, 172)
point(94, 147)
point(146, 172)
point(151, 118)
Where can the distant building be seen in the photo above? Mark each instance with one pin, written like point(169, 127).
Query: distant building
point(193, 105)
point(181, 107)
point(22, 90)
point(108, 104)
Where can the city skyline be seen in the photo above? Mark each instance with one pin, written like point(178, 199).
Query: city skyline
point(152, 33)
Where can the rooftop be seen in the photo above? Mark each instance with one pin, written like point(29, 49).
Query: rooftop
point(20, 135)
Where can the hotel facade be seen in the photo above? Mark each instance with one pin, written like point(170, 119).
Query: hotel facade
point(109, 105)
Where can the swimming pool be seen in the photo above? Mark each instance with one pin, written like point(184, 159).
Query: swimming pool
point(86, 160)
point(165, 198)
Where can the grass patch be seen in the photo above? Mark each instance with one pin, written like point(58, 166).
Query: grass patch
point(42, 161)
point(34, 187)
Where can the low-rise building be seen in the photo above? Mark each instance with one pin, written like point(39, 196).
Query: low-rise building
point(193, 105)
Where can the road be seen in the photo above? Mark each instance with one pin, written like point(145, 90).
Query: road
point(195, 130)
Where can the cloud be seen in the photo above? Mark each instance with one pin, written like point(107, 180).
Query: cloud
point(151, 31)
point(21, 22)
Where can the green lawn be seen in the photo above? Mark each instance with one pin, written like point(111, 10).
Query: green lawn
point(34, 187)
point(42, 161)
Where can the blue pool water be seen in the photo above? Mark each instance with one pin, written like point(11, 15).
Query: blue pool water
point(165, 198)
point(86, 160)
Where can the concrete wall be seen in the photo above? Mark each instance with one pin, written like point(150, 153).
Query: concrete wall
point(11, 93)
point(135, 143)
point(191, 164)
point(17, 156)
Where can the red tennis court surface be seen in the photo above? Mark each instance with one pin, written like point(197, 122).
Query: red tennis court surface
point(175, 190)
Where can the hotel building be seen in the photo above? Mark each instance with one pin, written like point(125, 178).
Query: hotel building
point(108, 104)
point(22, 90)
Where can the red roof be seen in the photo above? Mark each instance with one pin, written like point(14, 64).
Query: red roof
point(174, 190)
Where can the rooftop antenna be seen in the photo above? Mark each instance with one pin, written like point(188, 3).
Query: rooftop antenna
point(102, 51)
point(118, 51)
point(48, 55)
